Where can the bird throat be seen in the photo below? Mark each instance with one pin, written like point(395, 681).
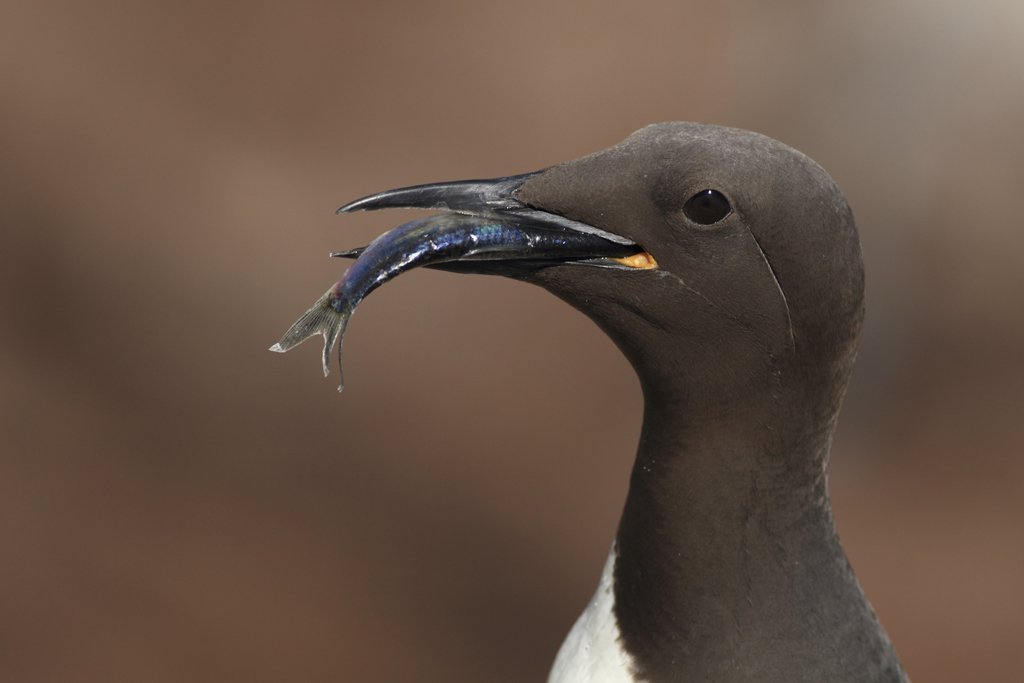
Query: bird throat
point(728, 561)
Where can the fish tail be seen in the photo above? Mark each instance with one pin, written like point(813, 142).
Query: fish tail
point(321, 318)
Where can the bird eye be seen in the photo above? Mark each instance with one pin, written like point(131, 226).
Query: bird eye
point(707, 207)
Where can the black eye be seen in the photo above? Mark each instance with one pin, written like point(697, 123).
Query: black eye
point(707, 207)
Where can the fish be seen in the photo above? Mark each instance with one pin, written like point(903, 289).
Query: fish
point(449, 241)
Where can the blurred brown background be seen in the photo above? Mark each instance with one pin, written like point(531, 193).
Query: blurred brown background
point(178, 504)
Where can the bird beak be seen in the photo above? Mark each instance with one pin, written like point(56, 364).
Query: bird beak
point(485, 229)
point(497, 198)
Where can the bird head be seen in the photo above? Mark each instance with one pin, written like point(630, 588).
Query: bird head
point(746, 281)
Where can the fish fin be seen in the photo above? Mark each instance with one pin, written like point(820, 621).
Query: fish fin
point(321, 318)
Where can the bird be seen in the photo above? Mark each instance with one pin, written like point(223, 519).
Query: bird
point(726, 266)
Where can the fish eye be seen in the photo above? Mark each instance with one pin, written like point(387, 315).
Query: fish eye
point(707, 207)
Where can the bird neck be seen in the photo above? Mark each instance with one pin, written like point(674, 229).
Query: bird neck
point(727, 550)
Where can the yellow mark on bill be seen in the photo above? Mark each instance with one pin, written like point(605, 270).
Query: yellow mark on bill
point(641, 261)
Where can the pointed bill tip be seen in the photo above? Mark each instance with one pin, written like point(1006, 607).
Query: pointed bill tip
point(401, 198)
point(369, 202)
point(277, 348)
point(354, 205)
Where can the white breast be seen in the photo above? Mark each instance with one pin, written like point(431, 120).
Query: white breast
point(592, 652)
